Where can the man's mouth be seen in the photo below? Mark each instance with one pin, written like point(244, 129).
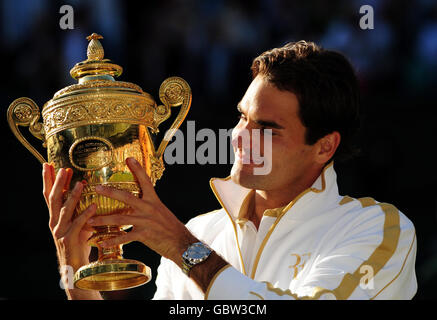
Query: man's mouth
point(244, 157)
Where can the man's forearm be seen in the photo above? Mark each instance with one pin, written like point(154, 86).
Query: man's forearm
point(204, 272)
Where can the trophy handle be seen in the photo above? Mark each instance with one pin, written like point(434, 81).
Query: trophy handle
point(173, 92)
point(25, 112)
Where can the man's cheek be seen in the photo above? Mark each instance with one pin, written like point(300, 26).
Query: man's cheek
point(266, 159)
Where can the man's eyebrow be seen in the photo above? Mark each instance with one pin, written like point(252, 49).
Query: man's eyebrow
point(269, 124)
point(263, 123)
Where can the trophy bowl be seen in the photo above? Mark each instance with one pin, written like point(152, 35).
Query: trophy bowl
point(92, 127)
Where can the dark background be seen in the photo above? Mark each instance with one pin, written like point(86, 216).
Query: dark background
point(211, 45)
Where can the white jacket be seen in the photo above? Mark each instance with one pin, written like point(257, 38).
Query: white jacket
point(320, 246)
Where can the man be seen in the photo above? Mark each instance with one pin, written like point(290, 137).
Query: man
point(285, 234)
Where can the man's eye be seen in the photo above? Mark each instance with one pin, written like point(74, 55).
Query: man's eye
point(268, 131)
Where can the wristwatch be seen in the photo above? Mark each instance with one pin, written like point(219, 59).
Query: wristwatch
point(195, 254)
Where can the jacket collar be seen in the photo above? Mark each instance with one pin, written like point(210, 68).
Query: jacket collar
point(232, 196)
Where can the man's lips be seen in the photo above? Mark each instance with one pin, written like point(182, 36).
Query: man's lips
point(244, 157)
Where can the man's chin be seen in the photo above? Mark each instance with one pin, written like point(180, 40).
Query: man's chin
point(244, 177)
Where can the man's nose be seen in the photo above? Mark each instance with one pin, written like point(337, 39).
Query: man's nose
point(241, 137)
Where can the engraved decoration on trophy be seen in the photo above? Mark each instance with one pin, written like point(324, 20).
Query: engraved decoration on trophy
point(91, 127)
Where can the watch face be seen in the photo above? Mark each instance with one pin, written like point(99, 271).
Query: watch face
point(197, 252)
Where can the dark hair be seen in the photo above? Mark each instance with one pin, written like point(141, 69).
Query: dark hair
point(326, 87)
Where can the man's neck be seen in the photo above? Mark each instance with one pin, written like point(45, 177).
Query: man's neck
point(271, 199)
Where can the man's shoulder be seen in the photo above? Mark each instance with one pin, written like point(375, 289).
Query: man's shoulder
point(367, 209)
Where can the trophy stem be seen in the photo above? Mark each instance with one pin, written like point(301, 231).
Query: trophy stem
point(104, 233)
point(111, 271)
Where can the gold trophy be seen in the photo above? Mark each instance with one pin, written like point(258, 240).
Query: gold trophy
point(92, 127)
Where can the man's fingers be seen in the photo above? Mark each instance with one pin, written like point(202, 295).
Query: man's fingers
point(71, 203)
point(142, 178)
point(80, 221)
point(114, 220)
point(48, 181)
point(69, 173)
point(56, 196)
point(49, 178)
point(120, 195)
point(128, 237)
point(52, 172)
point(58, 186)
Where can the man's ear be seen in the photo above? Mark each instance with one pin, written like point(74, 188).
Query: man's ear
point(327, 146)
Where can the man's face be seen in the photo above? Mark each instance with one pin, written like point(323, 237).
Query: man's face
point(266, 107)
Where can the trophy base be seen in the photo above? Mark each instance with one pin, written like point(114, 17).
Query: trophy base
point(110, 275)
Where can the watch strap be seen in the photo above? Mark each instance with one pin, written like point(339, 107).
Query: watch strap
point(186, 267)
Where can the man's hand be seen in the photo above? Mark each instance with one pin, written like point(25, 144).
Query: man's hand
point(153, 223)
point(155, 226)
point(70, 235)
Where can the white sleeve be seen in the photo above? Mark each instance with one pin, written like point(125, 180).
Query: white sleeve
point(375, 260)
point(230, 284)
point(164, 290)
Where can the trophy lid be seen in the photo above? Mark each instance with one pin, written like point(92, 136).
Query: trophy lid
point(95, 65)
point(97, 97)
point(96, 73)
